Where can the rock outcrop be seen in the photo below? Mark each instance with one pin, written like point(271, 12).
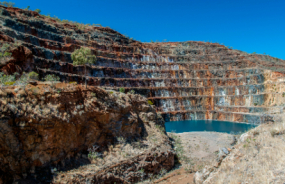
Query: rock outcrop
point(256, 158)
point(146, 165)
point(45, 126)
point(185, 80)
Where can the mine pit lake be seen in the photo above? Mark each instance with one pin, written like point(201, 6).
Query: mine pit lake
point(207, 125)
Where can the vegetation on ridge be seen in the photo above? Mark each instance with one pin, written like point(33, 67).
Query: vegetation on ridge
point(52, 78)
point(24, 79)
point(4, 54)
point(122, 90)
point(7, 4)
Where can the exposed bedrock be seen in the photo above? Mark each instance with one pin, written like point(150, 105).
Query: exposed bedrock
point(52, 126)
point(21, 60)
point(185, 80)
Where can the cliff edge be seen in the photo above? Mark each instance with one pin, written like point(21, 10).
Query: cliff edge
point(52, 127)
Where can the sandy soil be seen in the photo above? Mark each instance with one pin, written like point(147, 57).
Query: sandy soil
point(203, 145)
point(178, 176)
point(201, 148)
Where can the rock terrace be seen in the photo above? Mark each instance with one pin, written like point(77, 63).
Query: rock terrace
point(184, 80)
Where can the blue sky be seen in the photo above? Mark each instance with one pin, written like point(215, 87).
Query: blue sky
point(248, 25)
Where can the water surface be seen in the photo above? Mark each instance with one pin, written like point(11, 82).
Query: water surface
point(207, 125)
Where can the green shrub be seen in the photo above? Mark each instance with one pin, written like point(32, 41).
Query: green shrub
point(149, 102)
point(28, 7)
point(65, 21)
point(93, 155)
point(132, 92)
point(72, 82)
point(122, 90)
point(33, 75)
point(56, 18)
point(80, 26)
point(7, 4)
point(7, 54)
point(4, 47)
point(38, 10)
point(10, 83)
point(83, 56)
point(52, 78)
point(4, 55)
point(7, 78)
point(111, 92)
point(97, 25)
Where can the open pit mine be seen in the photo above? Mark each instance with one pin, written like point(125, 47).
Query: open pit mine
point(183, 80)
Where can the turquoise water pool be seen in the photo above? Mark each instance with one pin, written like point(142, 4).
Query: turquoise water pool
point(207, 125)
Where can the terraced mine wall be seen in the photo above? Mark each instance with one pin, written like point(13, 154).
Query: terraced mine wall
point(184, 80)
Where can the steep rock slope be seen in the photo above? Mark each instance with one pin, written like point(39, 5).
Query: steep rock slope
point(185, 80)
point(49, 126)
point(258, 157)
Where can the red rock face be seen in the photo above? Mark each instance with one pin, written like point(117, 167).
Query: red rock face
point(41, 128)
point(185, 80)
point(22, 60)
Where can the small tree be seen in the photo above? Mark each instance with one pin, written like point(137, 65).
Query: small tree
point(6, 79)
point(83, 56)
point(122, 90)
point(33, 75)
point(52, 78)
point(132, 92)
point(8, 4)
point(38, 10)
point(150, 102)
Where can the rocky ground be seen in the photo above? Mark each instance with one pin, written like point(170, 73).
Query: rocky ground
point(257, 158)
point(49, 127)
point(203, 147)
point(54, 125)
point(199, 149)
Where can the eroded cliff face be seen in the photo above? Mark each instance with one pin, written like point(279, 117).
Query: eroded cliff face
point(46, 126)
point(185, 80)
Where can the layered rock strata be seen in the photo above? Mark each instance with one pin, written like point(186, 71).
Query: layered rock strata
point(185, 80)
point(49, 126)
